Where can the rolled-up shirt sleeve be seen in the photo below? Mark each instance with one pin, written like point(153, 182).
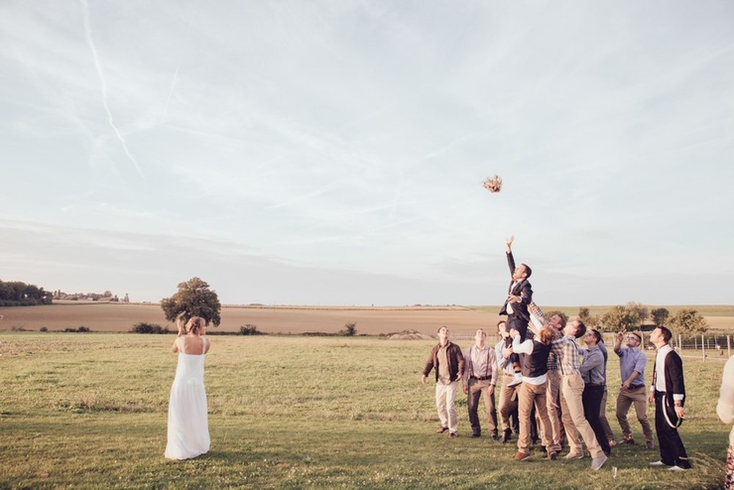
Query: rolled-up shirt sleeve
point(522, 348)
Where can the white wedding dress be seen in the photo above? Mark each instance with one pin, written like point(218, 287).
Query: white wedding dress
point(188, 426)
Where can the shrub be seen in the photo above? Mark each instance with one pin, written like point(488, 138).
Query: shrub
point(144, 327)
point(81, 329)
point(249, 329)
point(44, 329)
point(349, 329)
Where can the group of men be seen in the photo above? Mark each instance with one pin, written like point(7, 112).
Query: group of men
point(550, 392)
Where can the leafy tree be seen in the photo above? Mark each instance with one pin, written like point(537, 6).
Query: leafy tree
point(659, 315)
point(16, 293)
point(194, 298)
point(586, 317)
point(641, 310)
point(688, 320)
point(620, 319)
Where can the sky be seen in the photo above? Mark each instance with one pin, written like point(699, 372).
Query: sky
point(333, 152)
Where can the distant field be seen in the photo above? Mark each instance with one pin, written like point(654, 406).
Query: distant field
point(111, 317)
point(287, 319)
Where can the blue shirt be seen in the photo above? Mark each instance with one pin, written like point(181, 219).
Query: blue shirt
point(632, 359)
point(592, 369)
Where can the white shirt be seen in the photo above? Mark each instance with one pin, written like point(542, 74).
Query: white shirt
point(725, 406)
point(660, 371)
point(527, 348)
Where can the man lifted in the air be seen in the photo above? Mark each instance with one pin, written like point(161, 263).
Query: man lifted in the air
point(519, 296)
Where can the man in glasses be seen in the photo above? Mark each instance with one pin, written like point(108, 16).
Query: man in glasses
point(632, 363)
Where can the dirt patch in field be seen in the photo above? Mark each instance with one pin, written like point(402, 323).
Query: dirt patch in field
point(278, 319)
point(425, 320)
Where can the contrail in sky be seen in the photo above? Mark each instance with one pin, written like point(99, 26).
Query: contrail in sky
point(175, 75)
point(103, 85)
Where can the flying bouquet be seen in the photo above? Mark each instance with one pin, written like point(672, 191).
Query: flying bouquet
point(493, 184)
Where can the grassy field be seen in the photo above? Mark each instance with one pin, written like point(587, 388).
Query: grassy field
point(89, 411)
point(111, 317)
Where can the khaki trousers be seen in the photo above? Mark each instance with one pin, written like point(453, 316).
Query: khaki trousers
point(446, 405)
point(508, 404)
point(572, 407)
point(638, 396)
point(529, 395)
point(553, 405)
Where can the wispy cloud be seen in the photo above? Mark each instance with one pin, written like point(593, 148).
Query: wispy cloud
point(103, 85)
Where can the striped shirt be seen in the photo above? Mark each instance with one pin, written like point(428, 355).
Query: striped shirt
point(481, 363)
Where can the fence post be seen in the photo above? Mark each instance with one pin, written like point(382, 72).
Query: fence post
point(728, 346)
point(703, 348)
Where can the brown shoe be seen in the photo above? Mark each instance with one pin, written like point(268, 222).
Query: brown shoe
point(441, 430)
point(552, 455)
point(649, 445)
point(521, 456)
point(452, 435)
point(629, 440)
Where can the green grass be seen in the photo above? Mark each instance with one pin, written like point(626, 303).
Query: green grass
point(89, 411)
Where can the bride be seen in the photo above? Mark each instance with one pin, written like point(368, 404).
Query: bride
point(188, 427)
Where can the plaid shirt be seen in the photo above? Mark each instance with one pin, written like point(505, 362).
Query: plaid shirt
point(552, 361)
point(566, 352)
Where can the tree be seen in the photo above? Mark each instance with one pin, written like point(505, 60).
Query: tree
point(641, 310)
point(688, 320)
point(587, 318)
point(194, 298)
point(659, 315)
point(620, 319)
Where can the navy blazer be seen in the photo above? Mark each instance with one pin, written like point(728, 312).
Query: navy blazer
point(522, 289)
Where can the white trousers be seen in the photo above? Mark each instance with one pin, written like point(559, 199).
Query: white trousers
point(446, 405)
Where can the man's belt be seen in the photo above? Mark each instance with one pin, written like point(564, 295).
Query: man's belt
point(481, 378)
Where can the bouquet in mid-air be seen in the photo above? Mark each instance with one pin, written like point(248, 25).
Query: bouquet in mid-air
point(493, 184)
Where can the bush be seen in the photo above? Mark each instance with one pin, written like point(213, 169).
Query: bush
point(44, 329)
point(144, 327)
point(349, 329)
point(249, 330)
point(81, 329)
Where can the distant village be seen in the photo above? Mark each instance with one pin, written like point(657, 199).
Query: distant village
point(106, 297)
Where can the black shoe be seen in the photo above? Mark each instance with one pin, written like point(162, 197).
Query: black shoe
point(475, 435)
point(495, 436)
point(506, 436)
